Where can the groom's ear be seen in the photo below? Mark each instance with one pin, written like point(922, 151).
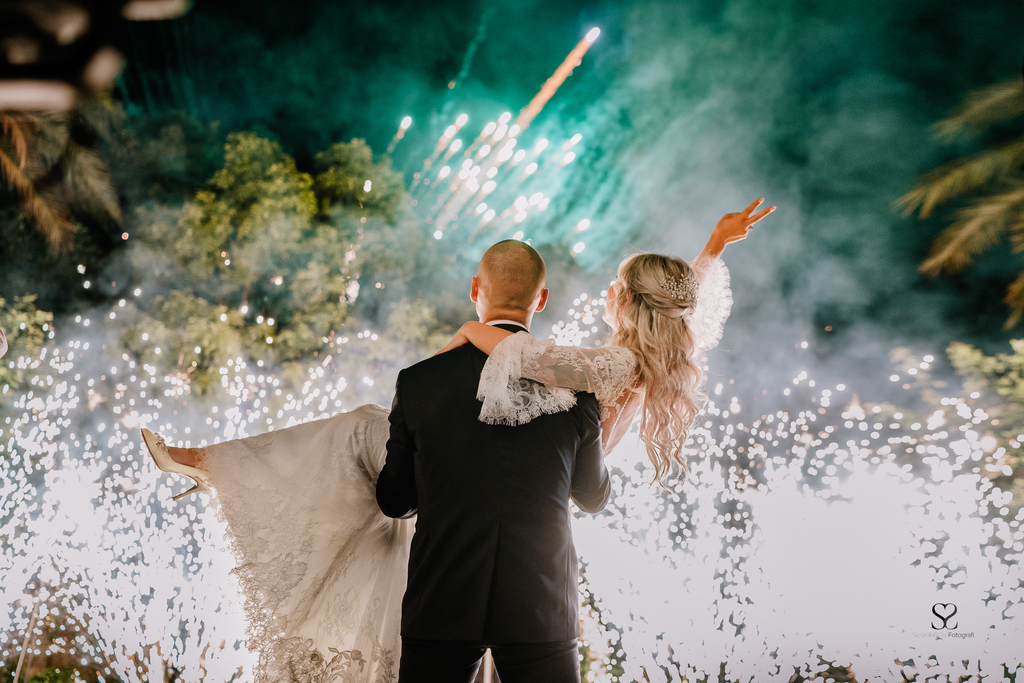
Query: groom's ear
point(474, 290)
point(543, 300)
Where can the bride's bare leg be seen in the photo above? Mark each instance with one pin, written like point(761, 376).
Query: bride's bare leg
point(185, 456)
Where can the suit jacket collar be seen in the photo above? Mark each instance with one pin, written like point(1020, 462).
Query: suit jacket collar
point(509, 326)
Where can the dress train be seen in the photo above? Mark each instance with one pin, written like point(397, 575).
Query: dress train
point(321, 569)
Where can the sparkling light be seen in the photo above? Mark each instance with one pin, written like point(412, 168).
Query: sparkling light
point(789, 524)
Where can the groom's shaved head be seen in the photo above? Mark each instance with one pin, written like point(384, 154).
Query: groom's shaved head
point(511, 274)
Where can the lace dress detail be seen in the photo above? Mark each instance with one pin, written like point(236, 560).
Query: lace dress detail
point(608, 373)
point(508, 398)
point(322, 570)
point(714, 302)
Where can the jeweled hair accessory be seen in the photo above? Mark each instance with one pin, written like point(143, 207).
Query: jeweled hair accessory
point(680, 288)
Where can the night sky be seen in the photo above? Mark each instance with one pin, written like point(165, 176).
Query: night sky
point(687, 110)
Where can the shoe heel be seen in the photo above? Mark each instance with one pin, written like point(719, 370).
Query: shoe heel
point(195, 489)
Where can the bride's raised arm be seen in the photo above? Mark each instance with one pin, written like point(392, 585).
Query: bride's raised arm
point(714, 296)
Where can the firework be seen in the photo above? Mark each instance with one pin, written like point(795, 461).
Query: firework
point(762, 561)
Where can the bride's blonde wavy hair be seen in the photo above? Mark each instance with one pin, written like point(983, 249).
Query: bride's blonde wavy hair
point(650, 307)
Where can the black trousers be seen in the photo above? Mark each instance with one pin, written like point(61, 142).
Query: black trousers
point(436, 661)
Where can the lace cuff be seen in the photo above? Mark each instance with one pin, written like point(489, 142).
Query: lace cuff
point(714, 302)
point(508, 397)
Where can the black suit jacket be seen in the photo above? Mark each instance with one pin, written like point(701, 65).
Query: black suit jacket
point(492, 558)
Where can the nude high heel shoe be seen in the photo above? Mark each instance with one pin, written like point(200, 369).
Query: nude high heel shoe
point(165, 463)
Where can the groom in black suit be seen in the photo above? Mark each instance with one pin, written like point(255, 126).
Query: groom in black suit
point(492, 563)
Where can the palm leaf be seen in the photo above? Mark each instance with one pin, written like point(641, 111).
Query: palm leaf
point(89, 179)
point(14, 175)
point(18, 134)
point(48, 211)
point(52, 134)
point(963, 176)
point(51, 217)
point(1015, 300)
point(974, 230)
point(102, 115)
point(983, 107)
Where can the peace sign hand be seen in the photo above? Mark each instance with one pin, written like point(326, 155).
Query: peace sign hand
point(734, 226)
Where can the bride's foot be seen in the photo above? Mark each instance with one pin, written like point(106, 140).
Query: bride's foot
point(166, 462)
point(189, 457)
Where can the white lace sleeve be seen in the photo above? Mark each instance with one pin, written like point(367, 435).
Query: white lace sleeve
point(510, 398)
point(714, 301)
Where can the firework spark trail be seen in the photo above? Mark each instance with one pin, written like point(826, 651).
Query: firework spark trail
point(445, 142)
point(467, 189)
point(493, 147)
point(550, 87)
point(400, 133)
point(467, 61)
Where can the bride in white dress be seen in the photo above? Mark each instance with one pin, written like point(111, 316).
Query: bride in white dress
point(323, 571)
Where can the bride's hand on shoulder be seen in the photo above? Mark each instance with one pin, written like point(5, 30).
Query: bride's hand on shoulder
point(735, 226)
point(483, 337)
point(458, 340)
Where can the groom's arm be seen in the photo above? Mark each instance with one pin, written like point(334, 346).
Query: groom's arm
point(396, 484)
point(591, 486)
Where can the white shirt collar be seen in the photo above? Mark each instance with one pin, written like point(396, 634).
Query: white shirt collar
point(508, 322)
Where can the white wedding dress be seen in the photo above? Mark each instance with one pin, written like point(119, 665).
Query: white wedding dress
point(321, 569)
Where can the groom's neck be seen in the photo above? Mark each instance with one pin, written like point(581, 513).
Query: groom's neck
point(511, 316)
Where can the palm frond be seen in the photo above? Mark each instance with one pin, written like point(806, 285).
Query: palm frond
point(1016, 224)
point(52, 133)
point(974, 229)
point(962, 176)
point(102, 115)
point(19, 134)
point(48, 211)
point(89, 179)
point(14, 175)
point(1015, 300)
point(51, 218)
point(983, 107)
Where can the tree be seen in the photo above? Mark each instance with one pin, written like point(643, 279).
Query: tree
point(26, 329)
point(260, 263)
point(992, 179)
